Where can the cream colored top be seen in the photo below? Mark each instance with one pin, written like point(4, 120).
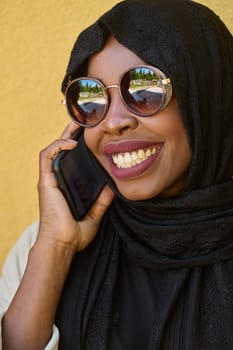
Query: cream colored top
point(12, 273)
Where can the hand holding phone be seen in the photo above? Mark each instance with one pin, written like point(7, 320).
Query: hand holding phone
point(80, 177)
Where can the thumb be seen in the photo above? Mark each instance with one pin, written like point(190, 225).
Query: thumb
point(101, 204)
point(88, 227)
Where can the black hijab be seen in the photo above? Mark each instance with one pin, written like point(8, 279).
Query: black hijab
point(189, 236)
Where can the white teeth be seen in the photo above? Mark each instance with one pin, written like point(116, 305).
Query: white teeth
point(148, 153)
point(134, 156)
point(141, 154)
point(129, 159)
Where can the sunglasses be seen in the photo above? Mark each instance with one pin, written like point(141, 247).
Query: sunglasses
point(145, 90)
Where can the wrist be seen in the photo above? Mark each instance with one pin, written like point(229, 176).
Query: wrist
point(53, 251)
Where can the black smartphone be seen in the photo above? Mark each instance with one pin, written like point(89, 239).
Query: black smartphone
point(80, 177)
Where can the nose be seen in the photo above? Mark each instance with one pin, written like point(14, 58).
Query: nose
point(119, 118)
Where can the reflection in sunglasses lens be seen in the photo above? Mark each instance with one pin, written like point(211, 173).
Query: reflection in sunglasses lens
point(88, 101)
point(142, 90)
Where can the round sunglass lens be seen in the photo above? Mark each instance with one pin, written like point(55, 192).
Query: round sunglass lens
point(142, 90)
point(86, 101)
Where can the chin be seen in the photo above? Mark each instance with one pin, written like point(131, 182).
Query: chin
point(144, 191)
point(136, 195)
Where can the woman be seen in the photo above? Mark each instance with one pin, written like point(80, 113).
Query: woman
point(151, 265)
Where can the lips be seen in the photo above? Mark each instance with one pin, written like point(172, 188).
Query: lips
point(130, 159)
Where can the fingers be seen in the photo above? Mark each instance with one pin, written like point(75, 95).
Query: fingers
point(49, 153)
point(89, 225)
point(69, 130)
point(64, 143)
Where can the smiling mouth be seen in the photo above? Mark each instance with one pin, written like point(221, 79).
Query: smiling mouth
point(131, 159)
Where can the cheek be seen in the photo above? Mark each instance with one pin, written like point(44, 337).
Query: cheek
point(89, 138)
point(172, 126)
point(92, 137)
point(178, 144)
point(178, 152)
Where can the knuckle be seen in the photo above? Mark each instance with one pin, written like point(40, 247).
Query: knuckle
point(40, 185)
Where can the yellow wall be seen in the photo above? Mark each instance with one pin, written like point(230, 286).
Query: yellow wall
point(36, 37)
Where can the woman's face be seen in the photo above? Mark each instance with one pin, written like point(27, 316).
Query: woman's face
point(159, 139)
